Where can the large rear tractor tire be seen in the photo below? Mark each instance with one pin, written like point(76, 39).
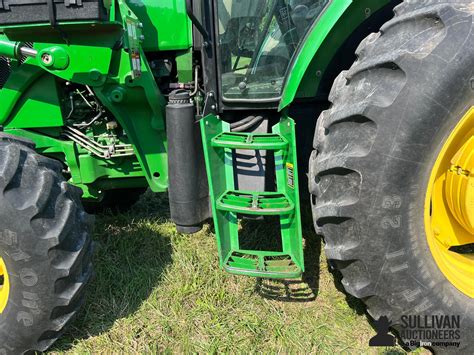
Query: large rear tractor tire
point(392, 173)
point(45, 249)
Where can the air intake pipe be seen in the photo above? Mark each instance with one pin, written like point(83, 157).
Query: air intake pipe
point(188, 186)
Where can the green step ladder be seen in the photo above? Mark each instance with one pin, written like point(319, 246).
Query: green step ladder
point(228, 203)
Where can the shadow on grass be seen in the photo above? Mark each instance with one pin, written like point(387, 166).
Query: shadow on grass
point(265, 235)
point(256, 233)
point(134, 250)
point(304, 290)
point(130, 258)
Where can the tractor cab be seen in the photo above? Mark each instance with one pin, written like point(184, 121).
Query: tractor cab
point(253, 44)
point(256, 42)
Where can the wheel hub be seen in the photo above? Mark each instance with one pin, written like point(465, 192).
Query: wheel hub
point(449, 207)
point(4, 285)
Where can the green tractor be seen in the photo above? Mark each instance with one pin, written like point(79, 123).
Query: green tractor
point(241, 109)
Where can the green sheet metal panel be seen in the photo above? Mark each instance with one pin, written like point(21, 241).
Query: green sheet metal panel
point(39, 106)
point(166, 25)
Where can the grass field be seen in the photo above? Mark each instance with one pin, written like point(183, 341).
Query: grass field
point(156, 290)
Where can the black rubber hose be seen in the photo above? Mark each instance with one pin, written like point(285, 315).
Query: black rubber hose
point(241, 122)
point(244, 126)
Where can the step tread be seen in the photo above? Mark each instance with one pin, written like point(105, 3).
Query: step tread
point(262, 264)
point(250, 141)
point(255, 203)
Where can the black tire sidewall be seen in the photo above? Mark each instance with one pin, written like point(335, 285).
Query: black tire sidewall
point(46, 247)
point(30, 297)
point(375, 231)
point(397, 172)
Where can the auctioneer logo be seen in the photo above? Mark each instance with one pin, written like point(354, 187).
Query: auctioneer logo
point(420, 330)
point(431, 330)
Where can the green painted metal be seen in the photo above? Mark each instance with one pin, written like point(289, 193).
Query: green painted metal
point(184, 63)
point(165, 22)
point(227, 202)
point(9, 49)
point(121, 79)
point(41, 98)
point(92, 174)
point(240, 140)
point(54, 58)
point(110, 58)
point(329, 32)
point(84, 59)
point(14, 90)
point(255, 203)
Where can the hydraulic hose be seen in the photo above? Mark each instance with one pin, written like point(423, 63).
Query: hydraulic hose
point(246, 123)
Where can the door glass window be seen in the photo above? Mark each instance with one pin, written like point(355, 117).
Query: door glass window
point(257, 40)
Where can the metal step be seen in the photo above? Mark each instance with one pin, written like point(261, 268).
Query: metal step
point(237, 140)
point(255, 203)
point(228, 203)
point(266, 265)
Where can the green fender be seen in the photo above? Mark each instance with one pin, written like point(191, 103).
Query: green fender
point(327, 34)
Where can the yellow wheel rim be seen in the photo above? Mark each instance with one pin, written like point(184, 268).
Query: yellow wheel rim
point(4, 286)
point(449, 207)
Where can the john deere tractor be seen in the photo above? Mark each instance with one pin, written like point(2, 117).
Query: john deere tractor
point(241, 109)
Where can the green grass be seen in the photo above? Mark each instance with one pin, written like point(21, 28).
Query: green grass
point(156, 290)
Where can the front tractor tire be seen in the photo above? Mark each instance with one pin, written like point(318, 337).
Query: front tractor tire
point(45, 249)
point(392, 166)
